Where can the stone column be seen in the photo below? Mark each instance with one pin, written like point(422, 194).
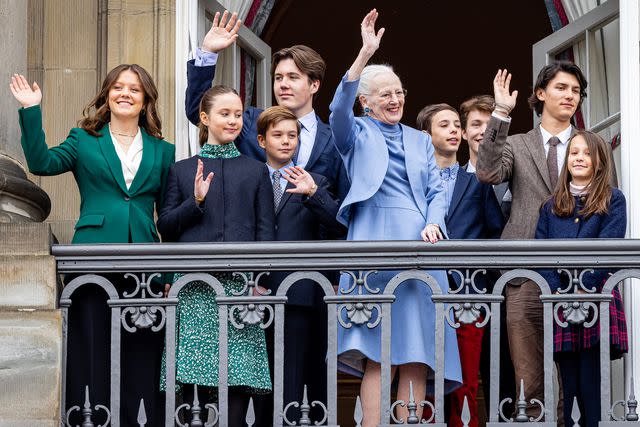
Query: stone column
point(20, 199)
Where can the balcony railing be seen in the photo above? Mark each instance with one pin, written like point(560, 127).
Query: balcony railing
point(95, 264)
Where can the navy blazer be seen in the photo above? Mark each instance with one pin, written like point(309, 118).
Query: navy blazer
point(612, 225)
point(237, 208)
point(323, 160)
point(299, 217)
point(474, 213)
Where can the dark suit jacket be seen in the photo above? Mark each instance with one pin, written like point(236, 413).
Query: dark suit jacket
point(610, 226)
point(474, 213)
point(109, 211)
point(238, 206)
point(300, 217)
point(324, 158)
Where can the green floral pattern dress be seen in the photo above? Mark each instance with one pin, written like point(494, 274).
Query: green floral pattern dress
point(197, 328)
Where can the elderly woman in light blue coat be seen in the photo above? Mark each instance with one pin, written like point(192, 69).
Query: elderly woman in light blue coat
point(395, 194)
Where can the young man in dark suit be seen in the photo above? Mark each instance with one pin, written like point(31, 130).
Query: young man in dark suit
point(473, 213)
point(297, 73)
point(305, 210)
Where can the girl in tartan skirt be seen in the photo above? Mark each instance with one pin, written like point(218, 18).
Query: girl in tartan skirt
point(584, 205)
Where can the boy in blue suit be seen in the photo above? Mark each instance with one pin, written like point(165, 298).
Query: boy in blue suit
point(305, 210)
point(297, 73)
point(473, 213)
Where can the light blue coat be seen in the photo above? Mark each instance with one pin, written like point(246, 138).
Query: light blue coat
point(366, 158)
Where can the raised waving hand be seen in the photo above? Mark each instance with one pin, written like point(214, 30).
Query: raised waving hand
point(304, 183)
point(27, 96)
point(201, 185)
point(370, 44)
point(223, 32)
point(505, 101)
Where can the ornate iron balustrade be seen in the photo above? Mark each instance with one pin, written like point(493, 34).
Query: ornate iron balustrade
point(465, 259)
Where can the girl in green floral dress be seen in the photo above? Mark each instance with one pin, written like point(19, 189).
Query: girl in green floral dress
point(233, 203)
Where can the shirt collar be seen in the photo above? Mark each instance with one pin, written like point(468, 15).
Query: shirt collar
point(450, 173)
point(562, 136)
point(272, 170)
point(309, 121)
point(471, 168)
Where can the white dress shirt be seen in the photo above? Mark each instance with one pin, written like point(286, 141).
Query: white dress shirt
point(564, 137)
point(129, 160)
point(308, 130)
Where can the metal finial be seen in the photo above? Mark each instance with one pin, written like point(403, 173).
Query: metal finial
point(142, 414)
point(465, 416)
point(575, 413)
point(87, 413)
point(632, 405)
point(196, 409)
point(305, 409)
point(250, 419)
point(521, 406)
point(357, 412)
point(412, 418)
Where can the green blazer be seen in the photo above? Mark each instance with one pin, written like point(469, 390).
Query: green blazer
point(109, 212)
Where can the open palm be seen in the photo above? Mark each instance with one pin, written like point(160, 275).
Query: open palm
point(222, 33)
point(371, 40)
point(27, 96)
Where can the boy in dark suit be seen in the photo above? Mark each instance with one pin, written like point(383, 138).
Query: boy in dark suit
point(473, 213)
point(305, 210)
point(297, 73)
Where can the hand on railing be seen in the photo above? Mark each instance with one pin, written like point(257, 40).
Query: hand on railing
point(431, 233)
point(222, 34)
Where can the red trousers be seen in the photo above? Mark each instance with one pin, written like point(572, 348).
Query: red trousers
point(470, 346)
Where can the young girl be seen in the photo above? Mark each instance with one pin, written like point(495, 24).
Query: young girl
point(585, 205)
point(233, 203)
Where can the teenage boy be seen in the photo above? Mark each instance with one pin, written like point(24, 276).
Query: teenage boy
point(473, 213)
point(532, 163)
point(475, 114)
point(305, 208)
point(297, 73)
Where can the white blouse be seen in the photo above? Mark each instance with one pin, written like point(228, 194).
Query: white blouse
point(131, 159)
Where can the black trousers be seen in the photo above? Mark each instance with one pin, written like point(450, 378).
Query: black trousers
point(88, 359)
point(305, 350)
point(580, 373)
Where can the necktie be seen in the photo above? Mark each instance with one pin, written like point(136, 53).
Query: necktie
point(277, 188)
point(295, 155)
point(552, 161)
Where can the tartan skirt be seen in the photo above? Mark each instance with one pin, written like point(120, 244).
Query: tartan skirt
point(576, 337)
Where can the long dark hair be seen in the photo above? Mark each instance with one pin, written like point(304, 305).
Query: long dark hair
point(547, 74)
point(96, 114)
point(599, 189)
point(206, 104)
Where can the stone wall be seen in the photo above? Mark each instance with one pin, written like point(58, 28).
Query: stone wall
point(30, 328)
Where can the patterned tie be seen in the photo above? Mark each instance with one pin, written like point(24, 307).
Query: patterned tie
point(295, 155)
point(277, 188)
point(552, 161)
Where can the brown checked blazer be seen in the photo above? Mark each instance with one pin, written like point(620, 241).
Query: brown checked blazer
point(521, 160)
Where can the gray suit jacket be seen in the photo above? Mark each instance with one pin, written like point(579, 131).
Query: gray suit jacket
point(521, 160)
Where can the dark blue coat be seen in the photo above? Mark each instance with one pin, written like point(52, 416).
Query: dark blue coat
point(324, 158)
point(238, 206)
point(612, 225)
point(300, 217)
point(474, 213)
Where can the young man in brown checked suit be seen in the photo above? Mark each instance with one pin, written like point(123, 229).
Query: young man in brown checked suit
point(531, 162)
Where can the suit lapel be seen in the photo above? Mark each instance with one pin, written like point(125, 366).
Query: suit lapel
point(414, 158)
point(322, 138)
point(285, 197)
point(533, 141)
point(146, 164)
point(462, 182)
point(111, 157)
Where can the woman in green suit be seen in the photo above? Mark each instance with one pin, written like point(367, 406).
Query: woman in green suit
point(120, 162)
